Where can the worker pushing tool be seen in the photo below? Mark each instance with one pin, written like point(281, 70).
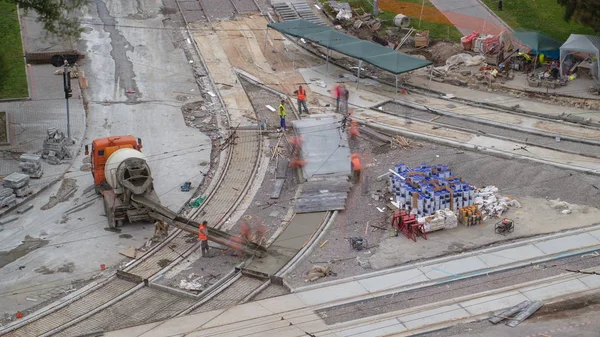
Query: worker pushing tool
point(356, 168)
point(203, 236)
point(282, 115)
point(301, 92)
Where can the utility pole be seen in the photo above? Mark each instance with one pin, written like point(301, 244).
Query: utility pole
point(68, 93)
point(375, 8)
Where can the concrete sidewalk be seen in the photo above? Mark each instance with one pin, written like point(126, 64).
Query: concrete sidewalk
point(276, 314)
point(471, 15)
point(29, 119)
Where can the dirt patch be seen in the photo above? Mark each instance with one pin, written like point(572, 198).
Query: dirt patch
point(125, 236)
point(27, 246)
point(440, 51)
point(67, 189)
point(414, 10)
point(3, 128)
point(65, 268)
point(569, 308)
point(164, 262)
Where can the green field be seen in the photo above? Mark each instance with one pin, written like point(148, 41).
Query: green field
point(545, 16)
point(437, 31)
point(14, 79)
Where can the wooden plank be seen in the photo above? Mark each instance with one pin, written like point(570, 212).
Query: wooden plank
point(277, 188)
point(282, 166)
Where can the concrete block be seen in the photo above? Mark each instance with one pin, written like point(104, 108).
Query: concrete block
point(25, 209)
point(8, 219)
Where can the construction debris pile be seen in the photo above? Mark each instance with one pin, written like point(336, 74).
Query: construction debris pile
point(316, 272)
point(439, 200)
point(19, 183)
point(491, 204)
point(426, 189)
point(441, 219)
point(31, 164)
point(55, 147)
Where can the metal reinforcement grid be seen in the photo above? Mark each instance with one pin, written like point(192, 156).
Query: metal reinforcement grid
point(77, 308)
point(232, 295)
point(148, 304)
point(244, 159)
point(272, 290)
point(145, 305)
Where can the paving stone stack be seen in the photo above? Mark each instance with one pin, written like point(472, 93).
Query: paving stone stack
point(7, 197)
point(55, 147)
point(31, 164)
point(19, 183)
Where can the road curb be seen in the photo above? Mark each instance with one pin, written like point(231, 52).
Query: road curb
point(453, 257)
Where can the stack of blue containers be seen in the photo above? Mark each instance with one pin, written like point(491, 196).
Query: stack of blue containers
point(434, 187)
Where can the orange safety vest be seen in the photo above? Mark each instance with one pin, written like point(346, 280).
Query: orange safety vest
point(202, 236)
point(302, 94)
point(356, 164)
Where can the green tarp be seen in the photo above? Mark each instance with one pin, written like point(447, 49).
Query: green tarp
point(382, 57)
point(298, 28)
point(538, 42)
point(329, 38)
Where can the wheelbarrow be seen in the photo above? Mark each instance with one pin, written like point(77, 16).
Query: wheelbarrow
point(186, 186)
point(504, 226)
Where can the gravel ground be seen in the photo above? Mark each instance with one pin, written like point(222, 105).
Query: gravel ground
point(442, 292)
point(245, 6)
point(218, 10)
point(490, 130)
point(207, 269)
point(531, 183)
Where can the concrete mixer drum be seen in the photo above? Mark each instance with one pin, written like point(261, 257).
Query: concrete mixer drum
point(134, 175)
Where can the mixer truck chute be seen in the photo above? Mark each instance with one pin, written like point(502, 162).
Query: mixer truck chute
point(123, 177)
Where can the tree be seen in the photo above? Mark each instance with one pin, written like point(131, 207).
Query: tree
point(587, 12)
point(55, 15)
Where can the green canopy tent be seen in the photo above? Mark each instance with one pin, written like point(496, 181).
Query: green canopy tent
point(329, 39)
point(378, 55)
point(396, 63)
point(362, 50)
point(538, 43)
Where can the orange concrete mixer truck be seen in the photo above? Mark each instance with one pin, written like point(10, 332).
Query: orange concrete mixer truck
point(123, 177)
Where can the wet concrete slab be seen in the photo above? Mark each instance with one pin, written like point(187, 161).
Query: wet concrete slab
point(289, 243)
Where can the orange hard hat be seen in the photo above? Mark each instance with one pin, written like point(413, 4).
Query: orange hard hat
point(354, 155)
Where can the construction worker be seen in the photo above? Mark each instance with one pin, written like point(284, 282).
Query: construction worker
point(345, 94)
point(203, 236)
point(356, 167)
point(301, 92)
point(338, 97)
point(282, 115)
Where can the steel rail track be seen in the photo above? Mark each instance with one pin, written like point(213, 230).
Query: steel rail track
point(239, 288)
point(533, 137)
point(149, 303)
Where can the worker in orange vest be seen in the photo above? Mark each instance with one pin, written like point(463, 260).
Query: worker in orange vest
point(301, 92)
point(356, 168)
point(203, 236)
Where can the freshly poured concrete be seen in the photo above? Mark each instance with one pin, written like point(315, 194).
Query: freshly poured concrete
point(293, 238)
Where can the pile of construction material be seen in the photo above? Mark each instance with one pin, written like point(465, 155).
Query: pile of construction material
point(491, 204)
point(426, 189)
point(19, 183)
point(441, 219)
point(55, 147)
point(31, 164)
point(7, 197)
